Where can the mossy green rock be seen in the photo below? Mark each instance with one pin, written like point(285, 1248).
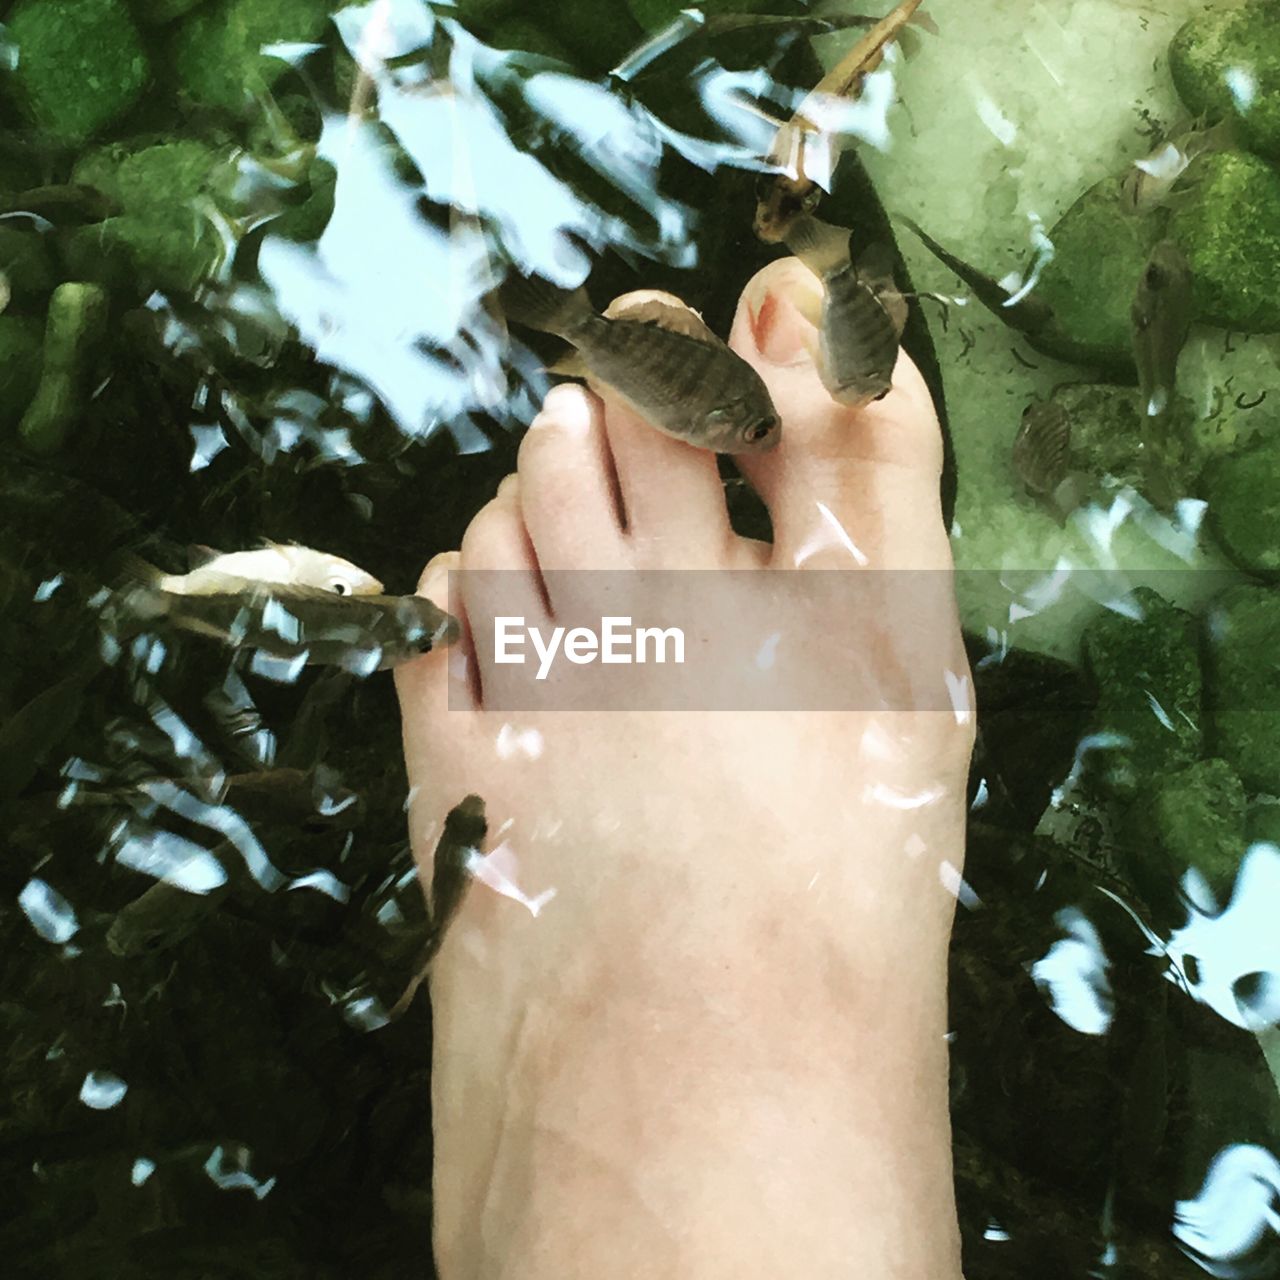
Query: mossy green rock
point(1226, 65)
point(217, 52)
point(1243, 492)
point(20, 342)
point(1230, 234)
point(161, 238)
point(81, 64)
point(156, 13)
point(1100, 250)
point(1147, 671)
point(1196, 819)
point(1243, 684)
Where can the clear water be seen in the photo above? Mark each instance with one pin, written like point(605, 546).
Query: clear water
point(280, 220)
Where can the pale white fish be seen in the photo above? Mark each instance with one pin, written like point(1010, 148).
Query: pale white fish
point(278, 564)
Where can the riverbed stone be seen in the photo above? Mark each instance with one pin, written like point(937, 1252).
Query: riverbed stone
point(1243, 492)
point(1226, 66)
point(81, 64)
point(161, 237)
point(156, 13)
point(217, 50)
point(1195, 821)
point(1100, 250)
point(25, 264)
point(1147, 672)
point(1230, 233)
point(1243, 684)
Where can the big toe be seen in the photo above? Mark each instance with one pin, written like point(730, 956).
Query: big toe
point(847, 487)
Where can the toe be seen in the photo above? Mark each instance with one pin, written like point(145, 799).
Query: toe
point(671, 492)
point(500, 577)
point(846, 487)
point(568, 490)
point(441, 680)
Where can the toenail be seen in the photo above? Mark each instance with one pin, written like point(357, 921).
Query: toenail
point(784, 332)
point(565, 409)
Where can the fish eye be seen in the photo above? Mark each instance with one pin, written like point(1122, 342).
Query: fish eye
point(761, 430)
point(340, 587)
point(811, 199)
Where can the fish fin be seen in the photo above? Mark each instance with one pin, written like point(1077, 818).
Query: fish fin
point(876, 270)
point(538, 303)
point(133, 571)
point(570, 365)
point(822, 248)
point(925, 22)
point(198, 554)
point(665, 314)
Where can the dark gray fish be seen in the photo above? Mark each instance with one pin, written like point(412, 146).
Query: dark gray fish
point(863, 313)
point(691, 387)
point(311, 798)
point(31, 733)
point(465, 829)
point(1150, 183)
point(1161, 317)
point(160, 918)
point(1042, 448)
point(1029, 315)
point(289, 627)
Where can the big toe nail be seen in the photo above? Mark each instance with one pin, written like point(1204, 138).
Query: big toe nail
point(781, 309)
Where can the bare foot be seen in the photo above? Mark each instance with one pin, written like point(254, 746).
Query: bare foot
point(719, 1048)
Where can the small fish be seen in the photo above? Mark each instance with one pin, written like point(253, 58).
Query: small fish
point(1042, 458)
point(1028, 315)
point(288, 625)
point(159, 918)
point(1149, 184)
point(314, 798)
point(863, 313)
point(1042, 448)
point(276, 563)
point(1161, 317)
point(464, 833)
point(688, 385)
point(790, 192)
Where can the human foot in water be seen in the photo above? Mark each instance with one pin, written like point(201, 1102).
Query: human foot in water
point(719, 1049)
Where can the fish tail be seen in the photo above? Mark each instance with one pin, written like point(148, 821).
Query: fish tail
point(1027, 316)
point(538, 303)
point(131, 570)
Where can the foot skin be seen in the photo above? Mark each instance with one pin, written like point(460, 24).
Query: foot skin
point(719, 1049)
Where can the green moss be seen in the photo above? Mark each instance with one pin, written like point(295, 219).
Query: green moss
point(20, 340)
point(653, 14)
point(1230, 234)
point(1100, 250)
point(75, 326)
point(217, 52)
point(1195, 819)
point(308, 220)
point(1243, 492)
point(81, 64)
point(600, 32)
point(162, 238)
point(528, 37)
point(1243, 684)
point(1147, 671)
point(156, 13)
point(1225, 48)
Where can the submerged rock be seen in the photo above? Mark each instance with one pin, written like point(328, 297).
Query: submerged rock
point(81, 64)
point(1230, 233)
point(1243, 684)
point(156, 13)
point(1226, 66)
point(1147, 671)
point(162, 237)
point(20, 340)
point(1243, 492)
point(1193, 820)
point(217, 52)
point(1100, 250)
point(76, 322)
